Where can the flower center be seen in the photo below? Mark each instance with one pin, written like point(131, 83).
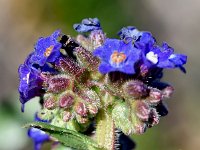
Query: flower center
point(48, 51)
point(118, 57)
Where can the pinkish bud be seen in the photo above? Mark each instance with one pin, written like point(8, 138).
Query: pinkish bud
point(142, 110)
point(66, 100)
point(49, 103)
point(81, 109)
point(58, 83)
point(135, 89)
point(93, 109)
point(66, 116)
point(168, 91)
point(155, 96)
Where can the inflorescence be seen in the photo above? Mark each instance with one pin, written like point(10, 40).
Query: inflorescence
point(72, 76)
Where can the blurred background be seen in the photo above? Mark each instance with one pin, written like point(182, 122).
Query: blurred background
point(174, 21)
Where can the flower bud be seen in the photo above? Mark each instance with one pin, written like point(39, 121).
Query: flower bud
point(87, 59)
point(93, 109)
point(97, 38)
point(81, 109)
point(153, 118)
point(66, 100)
point(70, 67)
point(139, 128)
point(155, 96)
point(142, 110)
point(81, 119)
point(49, 103)
point(58, 83)
point(168, 91)
point(135, 89)
point(66, 116)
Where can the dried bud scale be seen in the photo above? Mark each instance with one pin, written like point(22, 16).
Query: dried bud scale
point(94, 78)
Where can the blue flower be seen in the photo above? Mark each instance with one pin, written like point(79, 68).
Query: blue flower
point(46, 49)
point(37, 135)
point(116, 55)
point(87, 25)
point(164, 57)
point(30, 82)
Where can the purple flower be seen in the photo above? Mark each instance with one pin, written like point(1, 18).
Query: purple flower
point(116, 55)
point(46, 49)
point(37, 135)
point(87, 25)
point(30, 83)
point(164, 57)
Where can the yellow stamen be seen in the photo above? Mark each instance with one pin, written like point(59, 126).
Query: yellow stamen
point(48, 51)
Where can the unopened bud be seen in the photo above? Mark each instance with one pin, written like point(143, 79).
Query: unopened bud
point(142, 110)
point(168, 91)
point(153, 118)
point(87, 59)
point(66, 100)
point(97, 38)
point(58, 83)
point(155, 96)
point(66, 116)
point(139, 128)
point(81, 109)
point(81, 119)
point(49, 103)
point(135, 89)
point(93, 109)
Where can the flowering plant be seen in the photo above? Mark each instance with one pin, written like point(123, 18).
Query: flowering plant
point(96, 91)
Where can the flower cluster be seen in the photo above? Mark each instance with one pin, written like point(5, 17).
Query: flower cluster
point(79, 78)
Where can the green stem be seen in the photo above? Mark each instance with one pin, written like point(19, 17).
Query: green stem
point(105, 129)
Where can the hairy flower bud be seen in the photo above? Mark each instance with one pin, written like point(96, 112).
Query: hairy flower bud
point(81, 119)
point(87, 59)
point(154, 118)
point(168, 91)
point(58, 83)
point(97, 38)
point(155, 96)
point(49, 102)
point(93, 109)
point(66, 100)
point(142, 110)
point(135, 89)
point(66, 116)
point(139, 128)
point(81, 109)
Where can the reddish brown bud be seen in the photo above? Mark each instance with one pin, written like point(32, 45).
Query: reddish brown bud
point(66, 116)
point(49, 103)
point(155, 96)
point(81, 109)
point(66, 100)
point(135, 89)
point(58, 83)
point(142, 110)
point(168, 91)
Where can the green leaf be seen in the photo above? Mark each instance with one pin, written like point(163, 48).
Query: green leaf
point(67, 137)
